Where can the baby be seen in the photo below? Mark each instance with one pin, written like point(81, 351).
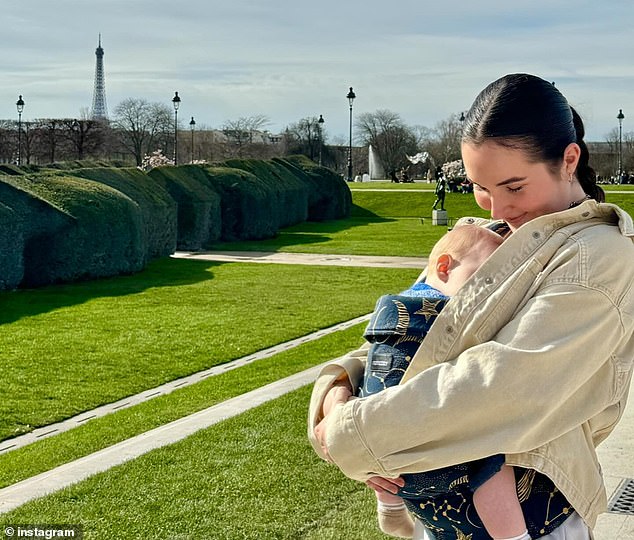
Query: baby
point(439, 498)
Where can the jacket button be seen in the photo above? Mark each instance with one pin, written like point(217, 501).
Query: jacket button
point(488, 280)
point(536, 235)
point(585, 214)
point(449, 329)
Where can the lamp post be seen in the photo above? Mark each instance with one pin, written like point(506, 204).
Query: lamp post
point(620, 117)
point(320, 124)
point(176, 101)
point(351, 95)
point(192, 125)
point(20, 106)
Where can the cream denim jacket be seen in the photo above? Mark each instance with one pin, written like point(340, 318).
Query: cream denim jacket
point(532, 358)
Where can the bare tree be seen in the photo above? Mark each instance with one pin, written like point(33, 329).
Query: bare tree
point(242, 131)
point(390, 137)
point(443, 141)
point(8, 140)
point(142, 125)
point(305, 137)
point(85, 136)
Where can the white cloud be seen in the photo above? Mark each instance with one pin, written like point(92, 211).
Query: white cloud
point(289, 59)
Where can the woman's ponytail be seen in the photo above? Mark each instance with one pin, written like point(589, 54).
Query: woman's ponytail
point(585, 174)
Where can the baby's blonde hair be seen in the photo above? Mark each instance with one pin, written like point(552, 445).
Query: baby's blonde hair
point(460, 241)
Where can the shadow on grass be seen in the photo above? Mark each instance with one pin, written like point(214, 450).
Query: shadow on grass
point(165, 272)
point(359, 212)
point(308, 232)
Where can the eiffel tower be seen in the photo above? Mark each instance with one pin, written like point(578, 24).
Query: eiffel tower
point(99, 108)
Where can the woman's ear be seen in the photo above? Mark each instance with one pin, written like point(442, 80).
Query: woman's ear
point(572, 153)
point(443, 266)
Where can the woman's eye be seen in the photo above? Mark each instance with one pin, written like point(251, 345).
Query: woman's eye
point(515, 189)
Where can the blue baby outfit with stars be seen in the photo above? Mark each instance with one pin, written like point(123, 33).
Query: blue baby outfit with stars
point(443, 498)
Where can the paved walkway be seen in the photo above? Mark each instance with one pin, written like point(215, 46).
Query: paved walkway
point(303, 258)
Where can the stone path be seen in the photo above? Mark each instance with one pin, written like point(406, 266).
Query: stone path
point(304, 258)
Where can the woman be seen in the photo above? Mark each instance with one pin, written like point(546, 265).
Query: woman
point(533, 357)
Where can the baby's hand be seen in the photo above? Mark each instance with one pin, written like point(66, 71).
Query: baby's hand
point(387, 498)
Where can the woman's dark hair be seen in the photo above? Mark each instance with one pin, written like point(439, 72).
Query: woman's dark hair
point(527, 113)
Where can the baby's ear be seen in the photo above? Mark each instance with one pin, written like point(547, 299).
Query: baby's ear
point(443, 266)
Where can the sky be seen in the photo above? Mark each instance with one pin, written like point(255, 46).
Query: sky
point(292, 59)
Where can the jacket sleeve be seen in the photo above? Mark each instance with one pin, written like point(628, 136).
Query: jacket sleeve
point(351, 367)
point(560, 361)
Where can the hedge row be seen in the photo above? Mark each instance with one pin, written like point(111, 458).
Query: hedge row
point(60, 226)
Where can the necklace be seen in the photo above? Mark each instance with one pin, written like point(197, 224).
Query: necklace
point(577, 203)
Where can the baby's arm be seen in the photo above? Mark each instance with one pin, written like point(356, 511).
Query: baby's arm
point(394, 518)
point(498, 507)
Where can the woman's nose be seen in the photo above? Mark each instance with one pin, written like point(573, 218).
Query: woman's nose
point(497, 207)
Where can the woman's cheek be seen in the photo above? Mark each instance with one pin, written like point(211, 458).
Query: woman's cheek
point(482, 200)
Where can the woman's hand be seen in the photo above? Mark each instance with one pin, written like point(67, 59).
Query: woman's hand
point(341, 392)
point(385, 487)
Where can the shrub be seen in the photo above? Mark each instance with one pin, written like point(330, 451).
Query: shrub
point(11, 170)
point(328, 194)
point(158, 209)
point(11, 248)
point(198, 204)
point(290, 192)
point(86, 230)
point(249, 207)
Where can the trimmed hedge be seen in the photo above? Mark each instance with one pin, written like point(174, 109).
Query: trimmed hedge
point(329, 195)
point(158, 209)
point(83, 164)
point(11, 170)
point(35, 218)
point(248, 206)
point(199, 214)
point(290, 193)
point(92, 222)
point(11, 248)
point(100, 232)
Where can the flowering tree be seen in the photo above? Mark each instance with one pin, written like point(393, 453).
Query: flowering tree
point(454, 170)
point(155, 159)
point(141, 125)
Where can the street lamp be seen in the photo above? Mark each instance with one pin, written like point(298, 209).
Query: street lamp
point(320, 123)
point(620, 117)
point(192, 125)
point(351, 95)
point(176, 101)
point(20, 105)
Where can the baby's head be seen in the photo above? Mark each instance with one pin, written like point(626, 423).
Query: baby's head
point(458, 254)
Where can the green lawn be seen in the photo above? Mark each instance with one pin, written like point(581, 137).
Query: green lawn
point(70, 348)
point(99, 433)
point(253, 477)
